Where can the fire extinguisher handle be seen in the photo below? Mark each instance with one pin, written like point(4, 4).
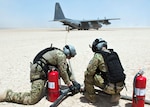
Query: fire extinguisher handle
point(61, 98)
point(141, 72)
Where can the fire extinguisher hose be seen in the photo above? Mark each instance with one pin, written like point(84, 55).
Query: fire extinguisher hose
point(61, 98)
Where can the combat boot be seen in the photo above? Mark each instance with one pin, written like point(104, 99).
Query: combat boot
point(3, 96)
point(91, 98)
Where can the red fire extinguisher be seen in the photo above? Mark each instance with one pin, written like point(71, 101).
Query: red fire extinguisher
point(139, 89)
point(53, 85)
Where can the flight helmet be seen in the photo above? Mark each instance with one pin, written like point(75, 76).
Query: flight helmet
point(69, 50)
point(98, 44)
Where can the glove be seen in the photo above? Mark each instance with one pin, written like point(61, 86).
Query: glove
point(77, 86)
point(72, 89)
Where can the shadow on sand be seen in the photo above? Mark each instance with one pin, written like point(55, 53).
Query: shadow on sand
point(103, 100)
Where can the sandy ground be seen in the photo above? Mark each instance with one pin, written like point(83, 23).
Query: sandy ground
point(19, 47)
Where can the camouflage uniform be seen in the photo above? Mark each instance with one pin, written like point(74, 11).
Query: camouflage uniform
point(95, 79)
point(38, 78)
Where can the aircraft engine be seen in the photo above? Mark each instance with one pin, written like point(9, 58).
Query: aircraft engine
point(100, 25)
point(106, 22)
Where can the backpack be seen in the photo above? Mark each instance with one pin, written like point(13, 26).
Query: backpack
point(115, 70)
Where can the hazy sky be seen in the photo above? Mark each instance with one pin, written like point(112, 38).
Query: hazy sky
point(38, 13)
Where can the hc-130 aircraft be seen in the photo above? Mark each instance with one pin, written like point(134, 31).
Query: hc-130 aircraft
point(77, 24)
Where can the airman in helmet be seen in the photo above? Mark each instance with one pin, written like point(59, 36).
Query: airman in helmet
point(45, 60)
point(98, 72)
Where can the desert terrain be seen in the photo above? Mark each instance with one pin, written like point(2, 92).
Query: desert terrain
point(18, 47)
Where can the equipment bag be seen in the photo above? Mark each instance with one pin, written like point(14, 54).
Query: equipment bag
point(115, 70)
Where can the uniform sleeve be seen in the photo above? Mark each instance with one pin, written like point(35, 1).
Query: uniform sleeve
point(102, 66)
point(92, 66)
point(62, 66)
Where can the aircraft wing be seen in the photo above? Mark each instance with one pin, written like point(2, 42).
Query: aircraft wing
point(103, 21)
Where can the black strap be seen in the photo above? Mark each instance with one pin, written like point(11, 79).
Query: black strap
point(43, 63)
point(36, 79)
point(44, 60)
point(115, 87)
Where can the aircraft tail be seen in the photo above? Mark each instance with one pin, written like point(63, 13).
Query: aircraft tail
point(58, 12)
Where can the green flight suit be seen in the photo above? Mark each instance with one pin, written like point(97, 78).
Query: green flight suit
point(38, 78)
